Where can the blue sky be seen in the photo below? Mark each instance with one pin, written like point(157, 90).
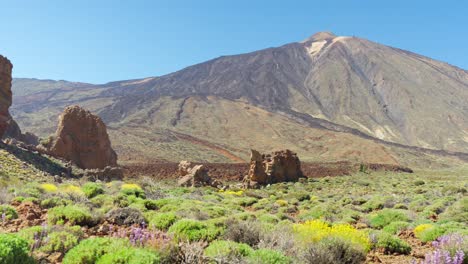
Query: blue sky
point(101, 41)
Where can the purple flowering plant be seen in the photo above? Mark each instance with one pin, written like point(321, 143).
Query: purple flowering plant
point(140, 236)
point(449, 249)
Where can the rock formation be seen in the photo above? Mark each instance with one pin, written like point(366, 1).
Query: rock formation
point(5, 93)
point(184, 167)
point(281, 166)
point(82, 138)
point(107, 174)
point(13, 131)
point(195, 176)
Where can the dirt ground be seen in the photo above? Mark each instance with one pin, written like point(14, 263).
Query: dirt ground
point(237, 171)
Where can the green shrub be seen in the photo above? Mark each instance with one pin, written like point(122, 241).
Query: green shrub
point(103, 202)
point(60, 242)
point(92, 189)
point(193, 230)
point(31, 190)
point(268, 256)
point(90, 250)
point(59, 238)
point(268, 218)
point(19, 199)
point(54, 201)
point(73, 214)
point(133, 189)
point(151, 204)
point(457, 212)
point(431, 233)
point(451, 189)
point(386, 216)
point(377, 203)
point(28, 233)
point(419, 182)
point(9, 211)
point(161, 221)
point(400, 206)
point(392, 244)
point(130, 256)
point(14, 250)
point(227, 250)
point(395, 227)
point(418, 204)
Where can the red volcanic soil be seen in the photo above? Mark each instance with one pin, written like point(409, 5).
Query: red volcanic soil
point(236, 171)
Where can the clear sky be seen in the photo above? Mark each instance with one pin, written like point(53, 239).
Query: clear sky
point(100, 41)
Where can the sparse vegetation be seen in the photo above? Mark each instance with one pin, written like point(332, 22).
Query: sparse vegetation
point(328, 220)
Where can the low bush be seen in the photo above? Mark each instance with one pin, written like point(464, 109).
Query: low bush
point(333, 250)
point(458, 211)
point(14, 250)
point(7, 212)
point(49, 187)
point(161, 221)
point(151, 204)
point(246, 201)
point(60, 242)
point(130, 255)
point(375, 203)
point(194, 230)
point(247, 232)
point(71, 189)
point(419, 182)
point(72, 214)
point(268, 256)
point(227, 251)
point(90, 250)
point(386, 216)
point(54, 202)
point(92, 189)
point(316, 230)
point(391, 244)
point(132, 189)
point(280, 237)
point(428, 232)
point(396, 227)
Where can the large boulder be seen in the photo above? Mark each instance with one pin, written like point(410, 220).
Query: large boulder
point(281, 166)
point(5, 93)
point(81, 138)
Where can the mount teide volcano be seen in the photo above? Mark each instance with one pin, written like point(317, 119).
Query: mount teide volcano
point(328, 98)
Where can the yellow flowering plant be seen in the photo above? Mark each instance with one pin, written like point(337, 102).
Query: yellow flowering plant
point(49, 187)
point(316, 230)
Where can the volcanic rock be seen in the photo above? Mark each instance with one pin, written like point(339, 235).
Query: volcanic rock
point(82, 138)
point(281, 166)
point(5, 93)
point(107, 174)
point(184, 167)
point(13, 131)
point(195, 176)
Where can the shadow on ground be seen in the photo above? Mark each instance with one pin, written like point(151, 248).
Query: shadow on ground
point(37, 161)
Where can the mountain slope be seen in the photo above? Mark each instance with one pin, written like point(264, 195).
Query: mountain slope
point(347, 88)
